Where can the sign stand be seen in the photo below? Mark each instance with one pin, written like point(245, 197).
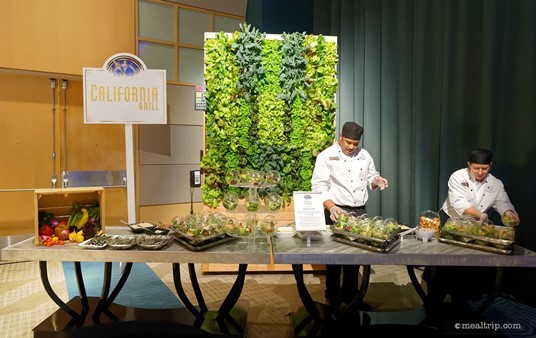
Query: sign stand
point(309, 213)
point(125, 91)
point(131, 194)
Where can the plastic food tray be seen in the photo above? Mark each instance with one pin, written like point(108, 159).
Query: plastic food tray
point(476, 246)
point(367, 240)
point(385, 246)
point(490, 244)
point(201, 245)
point(194, 240)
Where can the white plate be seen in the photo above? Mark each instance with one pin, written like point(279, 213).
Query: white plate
point(91, 246)
point(156, 246)
point(121, 246)
point(121, 242)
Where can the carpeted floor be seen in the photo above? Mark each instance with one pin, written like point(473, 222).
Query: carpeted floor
point(270, 296)
point(143, 288)
point(513, 319)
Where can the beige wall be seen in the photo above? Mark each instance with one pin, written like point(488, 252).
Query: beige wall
point(62, 36)
point(44, 39)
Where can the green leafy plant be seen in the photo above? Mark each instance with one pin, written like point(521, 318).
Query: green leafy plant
point(270, 106)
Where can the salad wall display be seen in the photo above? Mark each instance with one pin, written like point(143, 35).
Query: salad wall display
point(270, 106)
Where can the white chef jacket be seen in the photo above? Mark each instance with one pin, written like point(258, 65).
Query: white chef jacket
point(344, 179)
point(465, 192)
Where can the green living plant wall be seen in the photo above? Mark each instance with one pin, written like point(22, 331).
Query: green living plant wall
point(270, 106)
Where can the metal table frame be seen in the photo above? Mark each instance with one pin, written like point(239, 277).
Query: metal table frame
point(234, 252)
point(409, 252)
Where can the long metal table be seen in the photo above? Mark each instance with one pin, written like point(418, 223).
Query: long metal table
point(409, 252)
point(239, 252)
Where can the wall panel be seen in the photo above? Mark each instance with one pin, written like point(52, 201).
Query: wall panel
point(60, 36)
point(166, 184)
point(26, 140)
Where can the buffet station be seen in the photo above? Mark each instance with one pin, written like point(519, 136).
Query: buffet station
point(370, 241)
point(211, 237)
point(130, 244)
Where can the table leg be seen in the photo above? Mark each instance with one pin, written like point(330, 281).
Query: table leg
point(227, 305)
point(52, 294)
point(308, 303)
point(495, 292)
point(231, 299)
point(354, 304)
point(416, 285)
point(108, 298)
point(183, 297)
point(197, 290)
point(81, 286)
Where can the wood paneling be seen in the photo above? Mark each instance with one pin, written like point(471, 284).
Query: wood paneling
point(63, 36)
point(26, 140)
point(89, 146)
point(16, 213)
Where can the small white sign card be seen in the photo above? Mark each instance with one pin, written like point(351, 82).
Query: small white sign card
point(309, 211)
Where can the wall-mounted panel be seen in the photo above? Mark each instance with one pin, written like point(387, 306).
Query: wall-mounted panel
point(191, 65)
point(226, 24)
point(156, 21)
point(184, 145)
point(166, 184)
point(192, 26)
point(180, 100)
point(156, 56)
point(233, 7)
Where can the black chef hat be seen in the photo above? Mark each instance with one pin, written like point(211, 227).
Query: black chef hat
point(480, 156)
point(352, 131)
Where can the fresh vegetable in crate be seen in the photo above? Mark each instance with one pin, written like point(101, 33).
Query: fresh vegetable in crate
point(85, 218)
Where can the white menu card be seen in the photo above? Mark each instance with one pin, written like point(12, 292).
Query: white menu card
point(309, 211)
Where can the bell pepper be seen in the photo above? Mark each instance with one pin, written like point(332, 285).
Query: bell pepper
point(46, 230)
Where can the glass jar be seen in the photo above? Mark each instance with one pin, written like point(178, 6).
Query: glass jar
point(256, 178)
point(232, 176)
point(230, 200)
point(268, 225)
point(252, 202)
point(273, 201)
point(272, 177)
point(429, 219)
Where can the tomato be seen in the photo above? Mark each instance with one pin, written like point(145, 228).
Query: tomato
point(46, 230)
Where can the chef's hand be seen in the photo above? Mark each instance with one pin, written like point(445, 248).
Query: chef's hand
point(483, 217)
point(510, 218)
point(335, 212)
point(381, 182)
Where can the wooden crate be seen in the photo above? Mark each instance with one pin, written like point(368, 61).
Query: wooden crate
point(60, 203)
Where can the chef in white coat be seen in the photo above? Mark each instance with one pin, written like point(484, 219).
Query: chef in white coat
point(473, 191)
point(343, 173)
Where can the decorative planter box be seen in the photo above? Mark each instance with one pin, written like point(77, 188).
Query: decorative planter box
point(60, 203)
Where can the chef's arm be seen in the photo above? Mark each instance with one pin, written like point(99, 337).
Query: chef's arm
point(474, 212)
point(328, 204)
